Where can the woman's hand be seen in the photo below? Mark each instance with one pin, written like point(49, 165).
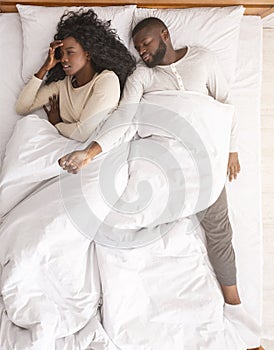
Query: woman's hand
point(54, 112)
point(74, 161)
point(51, 60)
point(233, 167)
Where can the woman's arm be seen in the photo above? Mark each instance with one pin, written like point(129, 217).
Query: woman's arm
point(33, 96)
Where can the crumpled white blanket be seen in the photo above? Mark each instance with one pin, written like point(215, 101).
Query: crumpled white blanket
point(52, 279)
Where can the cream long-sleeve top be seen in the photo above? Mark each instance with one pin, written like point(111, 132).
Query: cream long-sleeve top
point(82, 109)
point(199, 71)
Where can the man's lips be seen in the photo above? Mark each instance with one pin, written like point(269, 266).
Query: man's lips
point(146, 57)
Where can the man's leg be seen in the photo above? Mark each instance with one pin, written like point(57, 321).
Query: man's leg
point(218, 232)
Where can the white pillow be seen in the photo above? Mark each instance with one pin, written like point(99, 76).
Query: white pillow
point(215, 28)
point(39, 26)
point(10, 71)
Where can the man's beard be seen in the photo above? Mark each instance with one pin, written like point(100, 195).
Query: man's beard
point(158, 56)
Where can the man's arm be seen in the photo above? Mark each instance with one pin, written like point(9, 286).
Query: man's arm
point(118, 125)
point(76, 160)
point(219, 89)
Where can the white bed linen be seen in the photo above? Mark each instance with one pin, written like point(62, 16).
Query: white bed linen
point(148, 273)
point(249, 273)
point(45, 230)
point(244, 195)
point(10, 72)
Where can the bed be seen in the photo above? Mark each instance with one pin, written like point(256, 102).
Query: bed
point(131, 308)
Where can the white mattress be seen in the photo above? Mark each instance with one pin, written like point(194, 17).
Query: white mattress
point(244, 194)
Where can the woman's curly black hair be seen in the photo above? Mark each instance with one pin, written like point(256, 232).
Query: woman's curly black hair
point(102, 43)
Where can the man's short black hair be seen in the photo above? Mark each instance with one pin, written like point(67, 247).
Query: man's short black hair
point(148, 22)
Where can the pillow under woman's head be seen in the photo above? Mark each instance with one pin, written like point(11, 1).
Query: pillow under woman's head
point(39, 26)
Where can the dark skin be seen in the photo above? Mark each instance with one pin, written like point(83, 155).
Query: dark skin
point(146, 42)
point(53, 111)
point(75, 61)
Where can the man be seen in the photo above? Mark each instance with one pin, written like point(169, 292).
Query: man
point(194, 69)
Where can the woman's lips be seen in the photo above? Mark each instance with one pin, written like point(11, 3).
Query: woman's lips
point(66, 68)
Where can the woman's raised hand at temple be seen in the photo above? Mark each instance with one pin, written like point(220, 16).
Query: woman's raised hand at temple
point(51, 60)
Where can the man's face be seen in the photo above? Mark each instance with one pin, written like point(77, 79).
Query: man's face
point(150, 46)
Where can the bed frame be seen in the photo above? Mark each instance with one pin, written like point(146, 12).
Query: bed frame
point(253, 7)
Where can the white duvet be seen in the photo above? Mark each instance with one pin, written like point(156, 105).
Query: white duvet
point(54, 277)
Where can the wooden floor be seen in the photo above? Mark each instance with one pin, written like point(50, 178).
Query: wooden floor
point(268, 184)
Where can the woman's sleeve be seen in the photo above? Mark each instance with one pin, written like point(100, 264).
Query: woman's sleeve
point(34, 95)
point(104, 99)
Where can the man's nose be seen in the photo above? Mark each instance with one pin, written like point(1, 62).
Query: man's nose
point(142, 50)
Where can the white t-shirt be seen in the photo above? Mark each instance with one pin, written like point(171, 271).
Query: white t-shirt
point(198, 71)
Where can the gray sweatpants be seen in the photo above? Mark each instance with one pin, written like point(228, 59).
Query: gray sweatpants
point(218, 232)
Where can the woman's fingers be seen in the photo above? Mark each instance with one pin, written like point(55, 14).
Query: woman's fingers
point(51, 54)
point(46, 110)
point(56, 43)
point(53, 103)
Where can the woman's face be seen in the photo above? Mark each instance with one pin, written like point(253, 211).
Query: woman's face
point(74, 59)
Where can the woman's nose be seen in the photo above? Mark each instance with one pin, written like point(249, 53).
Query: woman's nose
point(64, 58)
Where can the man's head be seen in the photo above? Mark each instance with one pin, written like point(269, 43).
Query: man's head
point(151, 40)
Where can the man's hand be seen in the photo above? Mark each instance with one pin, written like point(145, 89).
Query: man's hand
point(233, 167)
point(75, 161)
point(53, 112)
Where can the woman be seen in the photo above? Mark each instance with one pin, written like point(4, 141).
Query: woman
point(87, 67)
point(86, 70)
